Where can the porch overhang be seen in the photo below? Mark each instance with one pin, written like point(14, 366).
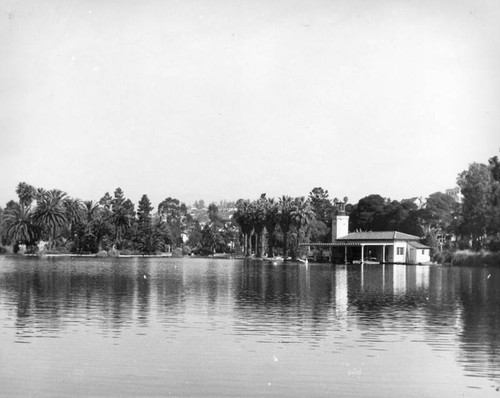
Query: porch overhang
point(348, 243)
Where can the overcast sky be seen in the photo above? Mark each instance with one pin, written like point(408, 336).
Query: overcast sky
point(227, 99)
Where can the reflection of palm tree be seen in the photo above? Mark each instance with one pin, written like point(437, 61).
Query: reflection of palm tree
point(18, 224)
point(50, 213)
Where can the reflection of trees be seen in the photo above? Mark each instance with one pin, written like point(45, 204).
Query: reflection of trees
point(286, 297)
point(205, 284)
point(51, 294)
point(463, 312)
point(385, 296)
point(170, 292)
point(456, 308)
point(479, 295)
point(143, 281)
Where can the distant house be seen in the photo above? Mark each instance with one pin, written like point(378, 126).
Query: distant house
point(455, 194)
point(417, 201)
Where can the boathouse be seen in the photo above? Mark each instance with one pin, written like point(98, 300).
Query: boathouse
point(381, 247)
point(372, 246)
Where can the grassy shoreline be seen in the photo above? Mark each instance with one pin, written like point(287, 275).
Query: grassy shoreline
point(475, 259)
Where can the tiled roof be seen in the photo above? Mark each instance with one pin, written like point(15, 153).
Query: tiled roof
point(378, 235)
point(417, 245)
point(330, 244)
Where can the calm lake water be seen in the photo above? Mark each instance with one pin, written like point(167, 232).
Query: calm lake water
point(200, 327)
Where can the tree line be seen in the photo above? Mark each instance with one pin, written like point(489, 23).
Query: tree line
point(112, 223)
point(262, 227)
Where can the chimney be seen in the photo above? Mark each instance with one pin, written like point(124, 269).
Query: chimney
point(340, 224)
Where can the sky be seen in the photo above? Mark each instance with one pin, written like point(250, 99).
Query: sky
point(228, 99)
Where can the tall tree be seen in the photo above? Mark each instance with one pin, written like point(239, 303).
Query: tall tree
point(213, 213)
point(174, 213)
point(104, 223)
point(144, 216)
point(75, 214)
point(152, 240)
point(194, 235)
point(366, 211)
point(271, 221)
point(441, 209)
point(18, 227)
point(301, 217)
point(243, 217)
point(494, 223)
point(475, 184)
point(321, 204)
point(258, 216)
point(50, 214)
point(26, 193)
point(122, 214)
point(92, 229)
point(212, 238)
point(285, 208)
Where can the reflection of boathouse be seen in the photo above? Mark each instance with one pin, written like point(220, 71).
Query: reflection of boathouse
point(376, 246)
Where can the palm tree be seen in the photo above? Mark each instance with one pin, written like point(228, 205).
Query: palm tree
point(301, 215)
point(285, 207)
point(121, 219)
point(152, 239)
point(75, 213)
point(91, 212)
point(302, 212)
point(212, 238)
point(271, 221)
point(18, 226)
point(243, 218)
point(94, 226)
point(50, 213)
point(258, 216)
point(26, 193)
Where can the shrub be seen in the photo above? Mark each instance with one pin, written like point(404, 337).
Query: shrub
point(442, 257)
point(186, 250)
point(126, 252)
point(57, 250)
point(494, 244)
point(102, 253)
point(113, 252)
point(177, 252)
point(475, 259)
point(3, 250)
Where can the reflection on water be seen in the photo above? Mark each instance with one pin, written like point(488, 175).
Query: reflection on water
point(144, 326)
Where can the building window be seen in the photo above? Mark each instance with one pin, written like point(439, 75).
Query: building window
point(423, 251)
point(400, 251)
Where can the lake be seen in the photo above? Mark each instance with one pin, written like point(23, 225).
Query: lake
point(245, 328)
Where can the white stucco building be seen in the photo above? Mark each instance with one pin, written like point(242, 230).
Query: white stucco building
point(373, 246)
